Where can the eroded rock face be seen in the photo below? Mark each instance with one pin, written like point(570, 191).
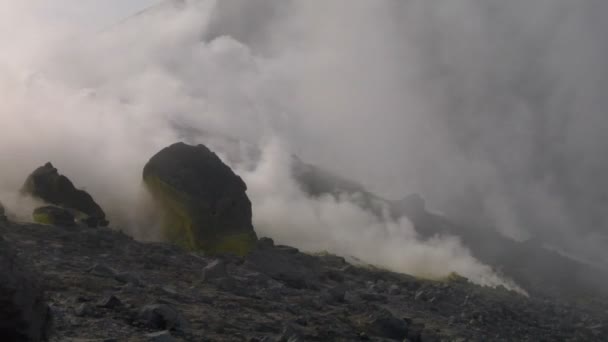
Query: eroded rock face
point(204, 202)
point(48, 185)
point(24, 315)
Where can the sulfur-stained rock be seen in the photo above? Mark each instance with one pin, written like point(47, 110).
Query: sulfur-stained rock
point(204, 203)
point(54, 216)
point(48, 185)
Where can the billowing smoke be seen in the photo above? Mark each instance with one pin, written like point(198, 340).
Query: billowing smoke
point(492, 110)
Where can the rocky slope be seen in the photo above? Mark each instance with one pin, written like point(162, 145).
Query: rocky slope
point(531, 265)
point(102, 285)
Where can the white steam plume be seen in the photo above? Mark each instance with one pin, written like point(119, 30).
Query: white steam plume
point(447, 98)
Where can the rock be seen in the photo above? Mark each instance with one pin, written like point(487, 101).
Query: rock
point(110, 302)
point(54, 216)
point(48, 185)
point(265, 242)
point(24, 315)
point(290, 334)
point(102, 270)
point(161, 336)
point(337, 293)
point(128, 278)
point(384, 324)
point(372, 297)
point(394, 290)
point(294, 270)
point(2, 213)
point(429, 336)
point(420, 295)
point(204, 203)
point(84, 310)
point(162, 316)
point(215, 270)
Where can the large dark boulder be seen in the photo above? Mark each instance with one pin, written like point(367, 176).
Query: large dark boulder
point(24, 315)
point(204, 202)
point(48, 185)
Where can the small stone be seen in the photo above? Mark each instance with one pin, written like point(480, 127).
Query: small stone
point(289, 334)
point(394, 290)
point(102, 271)
point(161, 336)
point(372, 297)
point(84, 310)
point(381, 286)
point(127, 278)
point(162, 316)
point(337, 293)
point(216, 269)
point(110, 302)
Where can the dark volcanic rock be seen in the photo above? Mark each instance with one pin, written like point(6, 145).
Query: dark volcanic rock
point(204, 202)
point(53, 216)
point(110, 302)
point(277, 293)
point(215, 270)
point(48, 185)
point(3, 218)
point(287, 265)
point(24, 315)
point(161, 336)
point(384, 324)
point(162, 316)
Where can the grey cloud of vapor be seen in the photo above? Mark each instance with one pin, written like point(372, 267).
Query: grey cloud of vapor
point(491, 104)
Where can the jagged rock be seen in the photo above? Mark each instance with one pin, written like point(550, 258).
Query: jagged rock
point(265, 242)
point(54, 216)
point(162, 316)
point(204, 202)
point(24, 315)
point(48, 185)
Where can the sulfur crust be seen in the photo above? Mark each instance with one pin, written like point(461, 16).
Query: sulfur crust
point(180, 222)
